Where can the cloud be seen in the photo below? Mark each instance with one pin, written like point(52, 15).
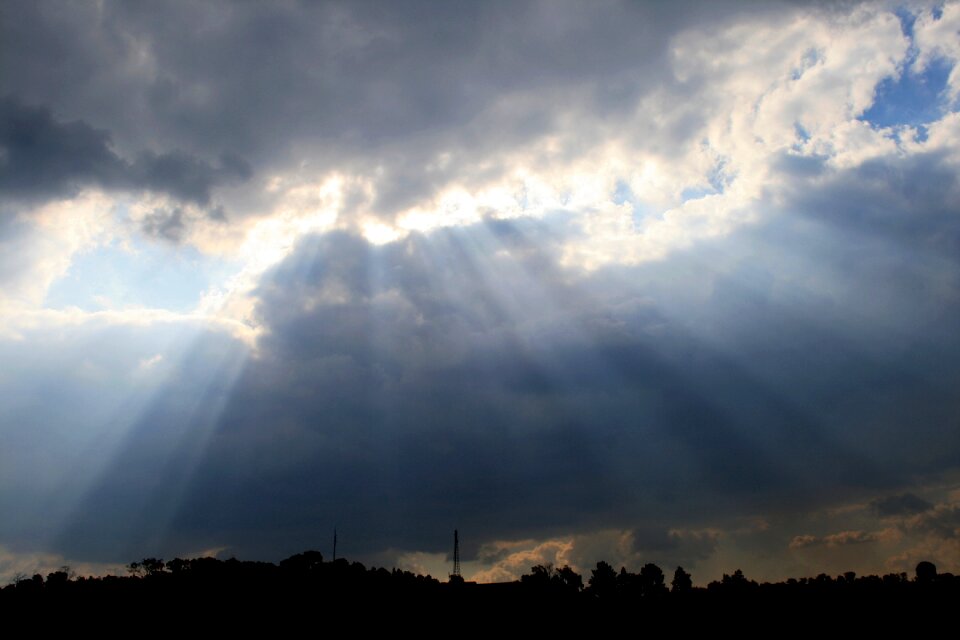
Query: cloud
point(935, 31)
point(395, 103)
point(42, 158)
point(18, 565)
point(433, 353)
point(164, 224)
point(594, 300)
point(39, 247)
point(806, 540)
point(184, 176)
point(849, 537)
point(833, 540)
point(942, 521)
point(932, 534)
point(469, 376)
point(510, 560)
point(900, 505)
point(890, 533)
point(677, 546)
point(502, 561)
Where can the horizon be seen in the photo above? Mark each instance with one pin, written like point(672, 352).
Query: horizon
point(635, 282)
point(147, 566)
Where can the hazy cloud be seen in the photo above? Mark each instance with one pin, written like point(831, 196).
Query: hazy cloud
point(683, 547)
point(942, 521)
point(848, 537)
point(900, 505)
point(806, 540)
point(164, 224)
point(840, 539)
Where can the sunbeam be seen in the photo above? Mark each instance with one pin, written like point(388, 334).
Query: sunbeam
point(148, 467)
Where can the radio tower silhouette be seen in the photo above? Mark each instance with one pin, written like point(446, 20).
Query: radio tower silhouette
point(455, 576)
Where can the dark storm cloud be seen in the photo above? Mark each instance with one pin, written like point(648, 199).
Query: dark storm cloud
point(184, 176)
point(466, 379)
point(435, 380)
point(43, 158)
point(910, 202)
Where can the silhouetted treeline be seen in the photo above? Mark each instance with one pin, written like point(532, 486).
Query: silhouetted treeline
point(287, 585)
point(300, 586)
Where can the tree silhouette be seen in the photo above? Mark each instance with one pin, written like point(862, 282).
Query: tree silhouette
point(651, 581)
point(303, 562)
point(146, 567)
point(539, 576)
point(545, 577)
point(926, 572)
point(569, 579)
point(57, 579)
point(737, 583)
point(178, 565)
point(682, 582)
point(603, 581)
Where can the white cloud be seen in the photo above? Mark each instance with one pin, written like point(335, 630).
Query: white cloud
point(54, 234)
point(937, 37)
point(743, 90)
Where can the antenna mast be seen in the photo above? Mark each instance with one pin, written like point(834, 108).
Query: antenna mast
point(456, 555)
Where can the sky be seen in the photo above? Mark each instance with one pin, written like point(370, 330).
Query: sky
point(627, 281)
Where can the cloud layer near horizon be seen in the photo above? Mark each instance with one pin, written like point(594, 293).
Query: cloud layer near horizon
point(635, 283)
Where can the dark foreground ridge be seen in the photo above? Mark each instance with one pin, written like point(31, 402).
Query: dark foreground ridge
point(234, 593)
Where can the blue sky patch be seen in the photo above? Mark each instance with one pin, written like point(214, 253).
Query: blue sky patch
point(912, 99)
point(153, 275)
point(622, 193)
point(695, 193)
point(907, 21)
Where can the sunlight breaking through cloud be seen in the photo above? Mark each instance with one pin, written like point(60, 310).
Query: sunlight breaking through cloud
point(685, 290)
